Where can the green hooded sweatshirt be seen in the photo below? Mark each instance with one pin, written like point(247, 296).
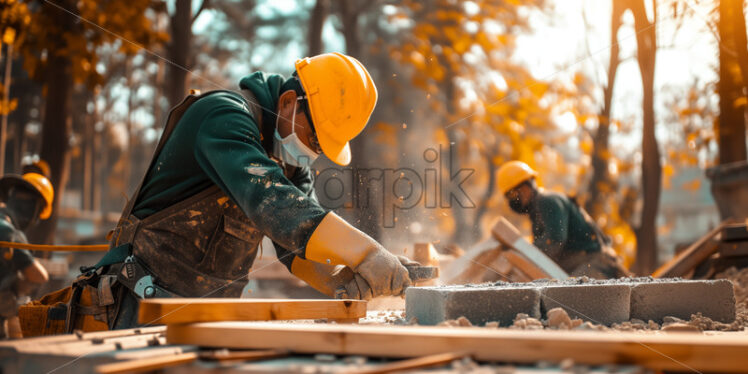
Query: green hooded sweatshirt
point(218, 141)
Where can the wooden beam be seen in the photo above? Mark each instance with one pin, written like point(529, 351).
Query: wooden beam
point(476, 269)
point(462, 269)
point(692, 256)
point(185, 310)
point(510, 237)
point(524, 265)
point(224, 355)
point(414, 363)
point(146, 364)
point(678, 352)
point(735, 232)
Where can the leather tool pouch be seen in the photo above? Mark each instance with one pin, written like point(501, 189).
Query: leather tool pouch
point(87, 305)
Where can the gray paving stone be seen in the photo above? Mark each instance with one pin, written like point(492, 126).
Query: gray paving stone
point(597, 303)
point(431, 305)
point(681, 298)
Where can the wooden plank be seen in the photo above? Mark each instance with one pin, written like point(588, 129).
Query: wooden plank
point(146, 364)
point(186, 310)
point(679, 352)
point(37, 343)
point(692, 256)
point(510, 237)
point(474, 271)
point(526, 266)
point(224, 355)
point(735, 232)
point(734, 249)
point(414, 363)
point(464, 268)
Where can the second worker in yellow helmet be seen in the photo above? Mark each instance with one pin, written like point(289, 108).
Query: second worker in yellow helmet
point(233, 167)
point(560, 227)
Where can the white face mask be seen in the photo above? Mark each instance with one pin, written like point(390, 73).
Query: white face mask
point(291, 149)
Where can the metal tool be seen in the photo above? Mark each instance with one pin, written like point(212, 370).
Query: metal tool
point(133, 276)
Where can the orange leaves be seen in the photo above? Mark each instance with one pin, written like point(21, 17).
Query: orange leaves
point(127, 24)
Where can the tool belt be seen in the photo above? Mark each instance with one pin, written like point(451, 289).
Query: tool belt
point(85, 305)
point(92, 302)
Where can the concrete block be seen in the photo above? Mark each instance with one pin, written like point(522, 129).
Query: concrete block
point(680, 298)
point(479, 304)
point(597, 303)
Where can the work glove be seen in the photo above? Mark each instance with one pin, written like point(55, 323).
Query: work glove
point(336, 242)
point(338, 281)
point(383, 274)
point(359, 288)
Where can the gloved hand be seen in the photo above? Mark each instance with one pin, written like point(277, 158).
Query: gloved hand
point(384, 274)
point(336, 242)
point(360, 288)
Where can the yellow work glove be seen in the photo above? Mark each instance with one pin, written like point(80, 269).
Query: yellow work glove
point(359, 288)
point(336, 242)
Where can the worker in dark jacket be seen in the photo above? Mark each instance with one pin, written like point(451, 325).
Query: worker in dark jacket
point(23, 201)
point(232, 167)
point(560, 227)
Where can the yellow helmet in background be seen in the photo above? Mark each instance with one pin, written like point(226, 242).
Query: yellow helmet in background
point(341, 96)
point(512, 174)
point(44, 186)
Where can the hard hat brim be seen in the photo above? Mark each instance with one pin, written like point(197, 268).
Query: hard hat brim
point(11, 180)
point(339, 153)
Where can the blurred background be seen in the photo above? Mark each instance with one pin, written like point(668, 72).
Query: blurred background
point(637, 108)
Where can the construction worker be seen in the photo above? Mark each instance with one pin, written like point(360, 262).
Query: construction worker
point(230, 168)
point(23, 201)
point(560, 227)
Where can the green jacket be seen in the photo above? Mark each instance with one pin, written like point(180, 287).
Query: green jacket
point(559, 225)
point(218, 141)
point(14, 260)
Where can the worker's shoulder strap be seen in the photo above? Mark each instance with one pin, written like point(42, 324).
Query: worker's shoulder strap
point(172, 120)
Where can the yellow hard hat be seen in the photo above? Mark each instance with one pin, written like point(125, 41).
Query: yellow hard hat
point(512, 174)
point(341, 98)
point(44, 186)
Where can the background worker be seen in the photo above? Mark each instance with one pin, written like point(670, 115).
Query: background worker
point(234, 167)
point(560, 227)
point(23, 201)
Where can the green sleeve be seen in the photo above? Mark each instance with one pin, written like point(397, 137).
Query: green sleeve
point(228, 149)
point(21, 258)
point(301, 178)
point(552, 228)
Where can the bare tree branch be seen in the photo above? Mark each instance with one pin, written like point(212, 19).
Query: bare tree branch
point(203, 5)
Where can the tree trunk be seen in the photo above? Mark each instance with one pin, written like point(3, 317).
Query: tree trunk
point(349, 19)
point(733, 80)
point(56, 132)
point(366, 214)
point(484, 201)
point(461, 235)
point(600, 182)
point(178, 52)
point(6, 106)
point(316, 23)
point(646, 234)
